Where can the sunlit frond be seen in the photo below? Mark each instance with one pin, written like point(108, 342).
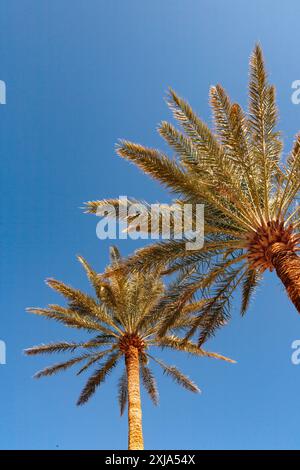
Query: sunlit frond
point(180, 344)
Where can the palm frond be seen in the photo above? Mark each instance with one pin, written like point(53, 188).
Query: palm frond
point(180, 344)
point(115, 255)
point(63, 346)
point(263, 120)
point(98, 377)
point(80, 303)
point(94, 359)
point(217, 312)
point(177, 375)
point(70, 318)
point(123, 392)
point(157, 165)
point(149, 383)
point(51, 370)
point(199, 133)
point(251, 280)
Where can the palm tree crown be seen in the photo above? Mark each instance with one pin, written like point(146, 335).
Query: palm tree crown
point(250, 197)
point(124, 317)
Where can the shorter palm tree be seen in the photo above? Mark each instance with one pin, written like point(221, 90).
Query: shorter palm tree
point(125, 317)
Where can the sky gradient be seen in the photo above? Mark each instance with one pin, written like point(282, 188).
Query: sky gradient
point(79, 76)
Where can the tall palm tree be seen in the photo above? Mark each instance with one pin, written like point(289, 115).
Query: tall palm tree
point(124, 317)
point(249, 191)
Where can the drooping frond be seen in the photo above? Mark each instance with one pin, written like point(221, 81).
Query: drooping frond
point(149, 382)
point(177, 376)
point(61, 366)
point(180, 344)
point(250, 282)
point(94, 359)
point(97, 378)
point(175, 301)
point(217, 311)
point(123, 392)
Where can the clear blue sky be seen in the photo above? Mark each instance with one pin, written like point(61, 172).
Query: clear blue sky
point(80, 75)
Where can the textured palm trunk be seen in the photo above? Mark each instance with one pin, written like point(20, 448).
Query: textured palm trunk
point(135, 431)
point(287, 265)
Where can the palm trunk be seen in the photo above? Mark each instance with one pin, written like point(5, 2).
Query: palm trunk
point(135, 431)
point(287, 265)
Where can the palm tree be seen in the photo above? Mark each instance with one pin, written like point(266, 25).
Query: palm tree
point(249, 191)
point(124, 317)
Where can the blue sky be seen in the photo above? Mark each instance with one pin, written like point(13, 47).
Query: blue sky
point(80, 75)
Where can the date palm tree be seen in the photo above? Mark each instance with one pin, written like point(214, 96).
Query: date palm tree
point(249, 190)
point(124, 318)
